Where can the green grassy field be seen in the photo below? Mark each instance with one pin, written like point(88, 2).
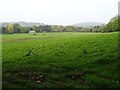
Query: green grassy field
point(67, 60)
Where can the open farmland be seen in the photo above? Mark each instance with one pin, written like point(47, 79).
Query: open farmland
point(68, 60)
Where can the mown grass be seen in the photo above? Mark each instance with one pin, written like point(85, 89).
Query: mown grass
point(60, 60)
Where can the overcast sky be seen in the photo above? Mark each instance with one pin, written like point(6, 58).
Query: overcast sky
point(64, 12)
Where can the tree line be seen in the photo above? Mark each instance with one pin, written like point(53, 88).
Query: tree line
point(112, 26)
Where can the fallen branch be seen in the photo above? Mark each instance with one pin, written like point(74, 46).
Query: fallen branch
point(34, 53)
point(28, 54)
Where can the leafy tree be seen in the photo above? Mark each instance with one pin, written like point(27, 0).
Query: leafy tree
point(113, 25)
point(10, 28)
point(17, 28)
point(4, 30)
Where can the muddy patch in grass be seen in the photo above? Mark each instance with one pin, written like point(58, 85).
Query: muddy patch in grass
point(75, 76)
point(34, 76)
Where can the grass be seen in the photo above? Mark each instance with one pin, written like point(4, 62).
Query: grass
point(0, 61)
point(67, 60)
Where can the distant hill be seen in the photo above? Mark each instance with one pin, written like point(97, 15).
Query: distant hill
point(88, 24)
point(24, 24)
point(30, 24)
